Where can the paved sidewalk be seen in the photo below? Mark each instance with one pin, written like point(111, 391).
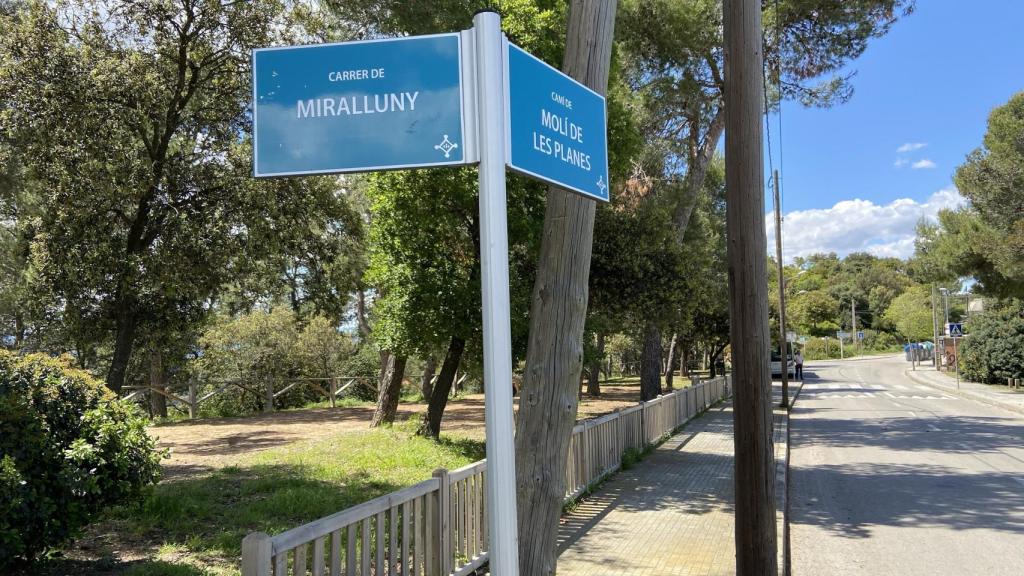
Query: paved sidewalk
point(991, 394)
point(671, 515)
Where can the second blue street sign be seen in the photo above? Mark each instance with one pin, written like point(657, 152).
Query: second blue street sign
point(556, 127)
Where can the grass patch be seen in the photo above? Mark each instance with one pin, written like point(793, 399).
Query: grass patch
point(632, 456)
point(195, 526)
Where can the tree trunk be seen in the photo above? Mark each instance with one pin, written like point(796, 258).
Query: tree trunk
point(696, 173)
point(558, 309)
point(673, 351)
point(594, 383)
point(684, 363)
point(361, 321)
point(427, 380)
point(123, 343)
point(19, 330)
point(755, 530)
point(389, 392)
point(157, 401)
point(431, 425)
point(650, 365)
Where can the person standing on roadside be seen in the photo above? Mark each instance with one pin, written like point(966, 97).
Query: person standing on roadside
point(799, 360)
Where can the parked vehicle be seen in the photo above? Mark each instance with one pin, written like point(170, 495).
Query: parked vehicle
point(776, 362)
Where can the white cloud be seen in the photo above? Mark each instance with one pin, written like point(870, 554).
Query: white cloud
point(910, 147)
point(923, 163)
point(859, 226)
point(900, 162)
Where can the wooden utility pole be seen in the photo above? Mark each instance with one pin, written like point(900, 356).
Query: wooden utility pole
point(782, 295)
point(748, 290)
point(853, 324)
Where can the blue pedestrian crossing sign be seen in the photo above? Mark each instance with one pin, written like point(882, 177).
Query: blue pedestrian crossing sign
point(955, 329)
point(358, 106)
point(556, 128)
point(860, 335)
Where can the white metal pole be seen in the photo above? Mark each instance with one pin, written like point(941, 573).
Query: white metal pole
point(501, 470)
point(956, 360)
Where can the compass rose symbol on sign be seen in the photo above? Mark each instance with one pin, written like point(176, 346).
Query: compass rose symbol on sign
point(446, 146)
point(601, 184)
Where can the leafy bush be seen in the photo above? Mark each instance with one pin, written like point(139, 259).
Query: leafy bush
point(365, 362)
point(68, 449)
point(994, 348)
point(881, 341)
point(272, 346)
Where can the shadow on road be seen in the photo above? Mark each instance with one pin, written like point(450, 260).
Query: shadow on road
point(910, 495)
point(947, 434)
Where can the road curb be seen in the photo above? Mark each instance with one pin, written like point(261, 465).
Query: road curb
point(963, 393)
point(782, 444)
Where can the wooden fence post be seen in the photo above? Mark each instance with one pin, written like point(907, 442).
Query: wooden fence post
point(193, 409)
point(333, 389)
point(256, 553)
point(442, 542)
point(643, 423)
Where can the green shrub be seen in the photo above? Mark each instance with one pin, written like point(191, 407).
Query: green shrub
point(994, 348)
point(68, 449)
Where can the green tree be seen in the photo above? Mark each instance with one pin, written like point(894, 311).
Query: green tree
point(994, 347)
point(813, 313)
point(257, 350)
point(134, 115)
point(911, 314)
point(984, 239)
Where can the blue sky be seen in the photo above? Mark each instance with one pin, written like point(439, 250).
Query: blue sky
point(859, 176)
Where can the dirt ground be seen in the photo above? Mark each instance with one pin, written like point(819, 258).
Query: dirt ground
point(199, 447)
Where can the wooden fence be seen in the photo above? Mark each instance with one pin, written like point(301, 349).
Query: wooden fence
point(188, 399)
point(439, 527)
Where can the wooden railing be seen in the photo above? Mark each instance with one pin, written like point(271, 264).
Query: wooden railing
point(439, 527)
point(189, 399)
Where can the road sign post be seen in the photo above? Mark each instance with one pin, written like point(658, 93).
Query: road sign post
point(501, 472)
point(441, 100)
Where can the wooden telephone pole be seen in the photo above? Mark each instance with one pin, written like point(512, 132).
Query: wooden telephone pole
point(783, 357)
point(748, 290)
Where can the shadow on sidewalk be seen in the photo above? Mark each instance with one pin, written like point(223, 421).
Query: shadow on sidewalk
point(680, 477)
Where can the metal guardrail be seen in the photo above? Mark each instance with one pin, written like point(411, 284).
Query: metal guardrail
point(439, 526)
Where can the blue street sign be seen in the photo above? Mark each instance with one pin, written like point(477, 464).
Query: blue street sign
point(358, 106)
point(557, 128)
point(860, 335)
point(955, 329)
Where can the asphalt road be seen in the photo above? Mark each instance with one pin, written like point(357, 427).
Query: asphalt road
point(889, 476)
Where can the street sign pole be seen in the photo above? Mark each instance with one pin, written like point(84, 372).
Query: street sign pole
point(501, 472)
point(956, 361)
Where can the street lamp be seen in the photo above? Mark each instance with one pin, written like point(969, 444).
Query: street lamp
point(945, 304)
